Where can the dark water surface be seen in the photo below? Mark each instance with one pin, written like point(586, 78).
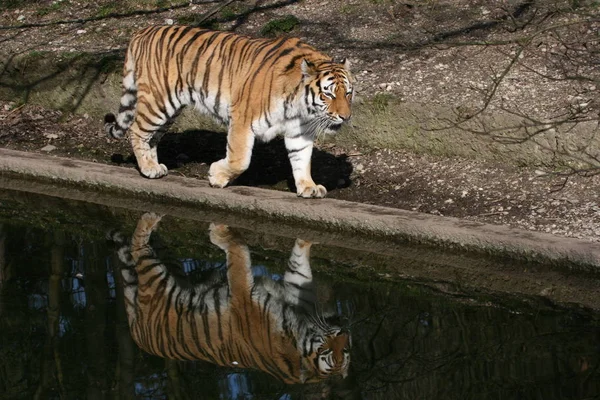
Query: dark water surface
point(65, 318)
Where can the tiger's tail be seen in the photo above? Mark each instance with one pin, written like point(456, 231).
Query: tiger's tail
point(116, 126)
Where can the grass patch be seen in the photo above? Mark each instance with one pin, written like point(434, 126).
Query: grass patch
point(106, 10)
point(280, 25)
point(381, 102)
point(349, 9)
point(197, 20)
point(54, 6)
point(8, 4)
point(36, 54)
point(228, 13)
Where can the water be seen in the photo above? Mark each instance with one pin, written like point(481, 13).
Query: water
point(66, 307)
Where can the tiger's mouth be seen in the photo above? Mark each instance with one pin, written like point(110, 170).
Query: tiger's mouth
point(334, 127)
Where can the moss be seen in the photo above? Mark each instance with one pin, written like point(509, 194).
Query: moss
point(280, 25)
point(381, 102)
point(228, 12)
point(106, 10)
point(198, 20)
point(55, 6)
point(349, 9)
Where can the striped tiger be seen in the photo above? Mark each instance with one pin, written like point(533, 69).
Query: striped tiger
point(259, 88)
point(241, 321)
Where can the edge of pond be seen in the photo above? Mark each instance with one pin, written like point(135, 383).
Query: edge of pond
point(326, 214)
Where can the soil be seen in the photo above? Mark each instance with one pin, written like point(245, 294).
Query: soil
point(389, 44)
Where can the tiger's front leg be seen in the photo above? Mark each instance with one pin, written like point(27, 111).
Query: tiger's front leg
point(299, 150)
point(240, 141)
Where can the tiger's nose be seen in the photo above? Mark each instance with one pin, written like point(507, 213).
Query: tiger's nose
point(345, 117)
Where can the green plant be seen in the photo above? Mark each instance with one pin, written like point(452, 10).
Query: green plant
point(105, 11)
point(349, 9)
point(228, 13)
point(34, 54)
point(280, 25)
point(381, 101)
point(198, 20)
point(54, 6)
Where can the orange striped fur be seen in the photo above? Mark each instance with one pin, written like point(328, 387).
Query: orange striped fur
point(260, 88)
point(241, 321)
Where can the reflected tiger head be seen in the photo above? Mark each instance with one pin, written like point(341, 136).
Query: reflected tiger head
point(328, 94)
point(328, 355)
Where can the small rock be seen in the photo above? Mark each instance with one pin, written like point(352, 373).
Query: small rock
point(21, 18)
point(50, 135)
point(169, 21)
point(449, 201)
point(48, 148)
point(547, 291)
point(80, 31)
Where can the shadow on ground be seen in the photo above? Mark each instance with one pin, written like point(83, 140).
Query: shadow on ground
point(191, 152)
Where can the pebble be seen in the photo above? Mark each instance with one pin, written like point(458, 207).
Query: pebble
point(169, 21)
point(48, 148)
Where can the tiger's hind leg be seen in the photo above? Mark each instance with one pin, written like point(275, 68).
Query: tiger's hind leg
point(145, 133)
point(144, 148)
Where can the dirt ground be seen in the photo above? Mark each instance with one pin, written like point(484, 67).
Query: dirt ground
point(372, 37)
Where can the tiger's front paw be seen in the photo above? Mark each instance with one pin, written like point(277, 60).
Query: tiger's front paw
point(222, 236)
point(218, 174)
point(312, 192)
point(154, 171)
point(149, 220)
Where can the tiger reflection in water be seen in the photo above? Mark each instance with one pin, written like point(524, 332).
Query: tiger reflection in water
point(243, 320)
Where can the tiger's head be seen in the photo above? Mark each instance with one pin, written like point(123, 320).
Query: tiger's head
point(326, 355)
point(328, 94)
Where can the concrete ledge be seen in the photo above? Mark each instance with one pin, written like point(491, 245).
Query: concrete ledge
point(327, 214)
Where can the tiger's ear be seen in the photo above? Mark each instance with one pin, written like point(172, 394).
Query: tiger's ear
point(308, 68)
point(346, 63)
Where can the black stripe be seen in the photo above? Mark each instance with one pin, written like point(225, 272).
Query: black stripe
point(293, 151)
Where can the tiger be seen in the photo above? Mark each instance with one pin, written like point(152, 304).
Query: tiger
point(260, 88)
point(240, 321)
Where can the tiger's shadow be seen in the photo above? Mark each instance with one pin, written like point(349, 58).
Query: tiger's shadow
point(194, 151)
